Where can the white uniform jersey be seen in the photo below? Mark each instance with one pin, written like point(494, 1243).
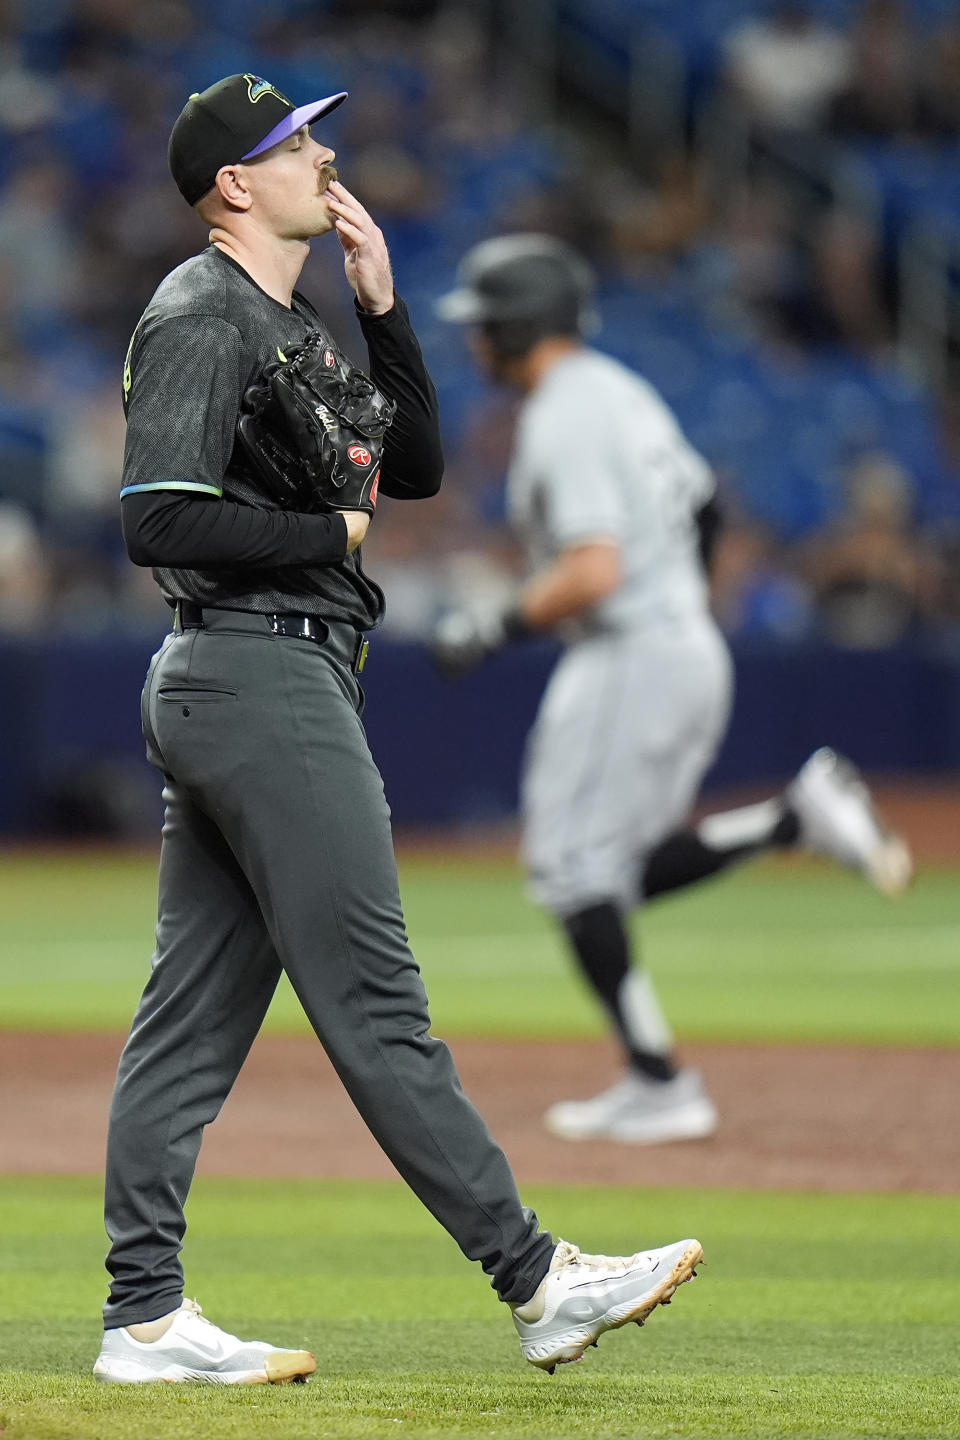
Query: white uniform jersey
point(598, 455)
point(635, 709)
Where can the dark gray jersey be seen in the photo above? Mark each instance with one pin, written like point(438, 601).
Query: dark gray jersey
point(203, 339)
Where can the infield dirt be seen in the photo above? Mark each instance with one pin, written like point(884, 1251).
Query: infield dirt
point(843, 1118)
point(793, 1117)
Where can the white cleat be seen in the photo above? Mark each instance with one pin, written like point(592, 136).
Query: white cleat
point(639, 1111)
point(583, 1296)
point(837, 819)
point(195, 1349)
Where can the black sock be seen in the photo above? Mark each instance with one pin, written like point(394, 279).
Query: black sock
point(599, 938)
point(717, 842)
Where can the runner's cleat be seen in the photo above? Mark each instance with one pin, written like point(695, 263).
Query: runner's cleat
point(837, 819)
point(639, 1110)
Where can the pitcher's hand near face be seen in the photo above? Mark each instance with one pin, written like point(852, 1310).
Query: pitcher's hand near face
point(365, 257)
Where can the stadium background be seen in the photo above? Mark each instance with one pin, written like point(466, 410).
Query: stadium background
point(783, 264)
point(771, 196)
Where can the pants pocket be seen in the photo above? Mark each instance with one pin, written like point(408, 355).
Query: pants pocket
point(180, 694)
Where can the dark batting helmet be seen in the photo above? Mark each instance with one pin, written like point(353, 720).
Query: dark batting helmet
point(520, 289)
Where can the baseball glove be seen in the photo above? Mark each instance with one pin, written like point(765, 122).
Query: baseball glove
point(312, 428)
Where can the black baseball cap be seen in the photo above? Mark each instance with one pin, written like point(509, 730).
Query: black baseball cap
point(233, 120)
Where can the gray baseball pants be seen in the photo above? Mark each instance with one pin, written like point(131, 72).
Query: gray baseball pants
point(277, 854)
point(628, 725)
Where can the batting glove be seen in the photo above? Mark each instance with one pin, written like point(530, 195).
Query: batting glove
point(462, 641)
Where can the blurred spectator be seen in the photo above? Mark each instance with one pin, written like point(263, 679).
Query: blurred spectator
point(940, 88)
point(882, 95)
point(457, 72)
point(821, 287)
point(87, 434)
point(754, 593)
point(89, 132)
point(37, 251)
point(659, 223)
point(786, 68)
point(27, 100)
point(845, 303)
point(23, 417)
point(872, 575)
point(747, 266)
point(24, 577)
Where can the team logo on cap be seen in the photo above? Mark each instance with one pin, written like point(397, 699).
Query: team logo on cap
point(257, 88)
point(359, 455)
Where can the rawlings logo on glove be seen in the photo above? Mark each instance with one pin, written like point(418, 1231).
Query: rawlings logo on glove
point(312, 430)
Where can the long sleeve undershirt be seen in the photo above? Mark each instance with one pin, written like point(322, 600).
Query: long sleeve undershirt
point(166, 528)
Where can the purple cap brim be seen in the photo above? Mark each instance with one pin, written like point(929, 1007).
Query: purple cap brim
point(290, 124)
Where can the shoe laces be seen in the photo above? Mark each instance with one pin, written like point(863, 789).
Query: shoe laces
point(193, 1308)
point(571, 1255)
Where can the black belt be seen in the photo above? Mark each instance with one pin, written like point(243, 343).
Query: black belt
point(189, 616)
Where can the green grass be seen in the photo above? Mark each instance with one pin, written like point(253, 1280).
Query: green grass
point(815, 1316)
point(778, 951)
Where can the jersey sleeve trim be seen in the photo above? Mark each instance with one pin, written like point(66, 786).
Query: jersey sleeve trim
point(193, 485)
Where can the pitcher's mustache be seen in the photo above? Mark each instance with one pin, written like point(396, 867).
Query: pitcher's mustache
point(325, 174)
